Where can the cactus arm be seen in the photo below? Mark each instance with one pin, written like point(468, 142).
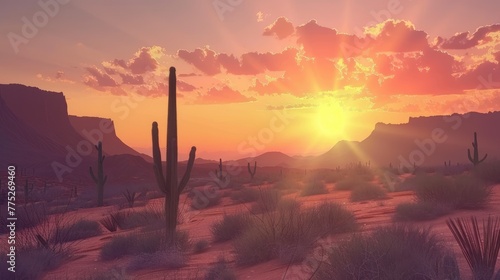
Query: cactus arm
point(483, 158)
point(157, 165)
point(187, 174)
point(92, 175)
point(470, 157)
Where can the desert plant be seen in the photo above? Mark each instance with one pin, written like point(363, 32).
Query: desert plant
point(109, 222)
point(130, 197)
point(245, 195)
point(220, 271)
point(384, 254)
point(200, 246)
point(314, 187)
point(99, 179)
point(218, 173)
point(480, 250)
point(475, 160)
point(348, 183)
point(268, 201)
point(488, 171)
point(171, 258)
point(367, 191)
point(168, 184)
point(252, 173)
point(229, 227)
point(205, 201)
point(75, 231)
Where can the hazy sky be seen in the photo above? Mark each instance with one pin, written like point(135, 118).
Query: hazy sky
point(255, 76)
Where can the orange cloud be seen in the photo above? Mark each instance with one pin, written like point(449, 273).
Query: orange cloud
point(465, 40)
point(281, 28)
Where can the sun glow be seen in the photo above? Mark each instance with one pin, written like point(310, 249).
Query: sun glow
point(331, 120)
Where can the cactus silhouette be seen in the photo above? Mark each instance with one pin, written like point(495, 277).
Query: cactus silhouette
point(475, 160)
point(168, 184)
point(99, 178)
point(252, 173)
point(218, 173)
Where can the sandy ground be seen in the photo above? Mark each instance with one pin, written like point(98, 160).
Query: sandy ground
point(369, 215)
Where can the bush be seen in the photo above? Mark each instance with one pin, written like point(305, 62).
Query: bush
point(229, 227)
point(463, 192)
point(137, 243)
point(205, 201)
point(79, 230)
point(290, 231)
point(132, 218)
point(110, 223)
point(367, 191)
point(314, 188)
point(421, 211)
point(172, 259)
point(245, 195)
point(395, 252)
point(268, 201)
point(333, 176)
point(488, 171)
point(220, 271)
point(362, 172)
point(348, 183)
point(200, 246)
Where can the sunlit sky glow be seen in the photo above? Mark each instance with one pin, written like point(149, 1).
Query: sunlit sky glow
point(336, 67)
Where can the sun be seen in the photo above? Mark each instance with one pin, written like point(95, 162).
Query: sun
point(331, 120)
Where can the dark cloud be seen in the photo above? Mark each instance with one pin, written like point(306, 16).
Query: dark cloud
point(204, 60)
point(223, 95)
point(465, 40)
point(128, 79)
point(397, 36)
point(97, 79)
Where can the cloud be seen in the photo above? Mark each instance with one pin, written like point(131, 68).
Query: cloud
point(128, 79)
point(396, 36)
point(59, 76)
point(145, 60)
point(223, 95)
point(188, 75)
point(260, 16)
point(98, 79)
point(281, 28)
point(484, 76)
point(204, 60)
point(183, 86)
point(212, 63)
point(465, 40)
point(292, 106)
point(324, 42)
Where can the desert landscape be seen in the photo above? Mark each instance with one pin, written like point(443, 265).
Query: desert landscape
point(305, 147)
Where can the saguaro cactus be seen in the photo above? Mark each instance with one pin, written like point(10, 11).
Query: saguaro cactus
point(100, 178)
point(475, 160)
point(218, 173)
point(252, 173)
point(168, 184)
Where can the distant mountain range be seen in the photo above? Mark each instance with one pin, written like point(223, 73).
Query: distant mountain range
point(37, 131)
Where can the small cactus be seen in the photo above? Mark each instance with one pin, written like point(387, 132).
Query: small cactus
point(475, 160)
point(252, 173)
point(218, 173)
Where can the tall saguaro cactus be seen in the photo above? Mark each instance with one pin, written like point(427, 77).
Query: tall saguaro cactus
point(252, 173)
point(475, 160)
point(100, 178)
point(168, 184)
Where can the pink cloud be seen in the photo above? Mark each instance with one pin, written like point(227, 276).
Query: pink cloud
point(223, 95)
point(281, 28)
point(465, 40)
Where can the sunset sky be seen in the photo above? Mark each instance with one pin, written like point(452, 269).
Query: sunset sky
point(256, 76)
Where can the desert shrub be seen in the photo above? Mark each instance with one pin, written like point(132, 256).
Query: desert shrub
point(367, 191)
point(132, 218)
point(314, 188)
point(290, 231)
point(348, 183)
point(220, 271)
point(229, 227)
point(395, 252)
point(245, 195)
point(488, 171)
point(268, 201)
point(200, 246)
point(172, 259)
point(110, 223)
point(141, 242)
point(463, 192)
point(79, 230)
point(421, 211)
point(32, 263)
